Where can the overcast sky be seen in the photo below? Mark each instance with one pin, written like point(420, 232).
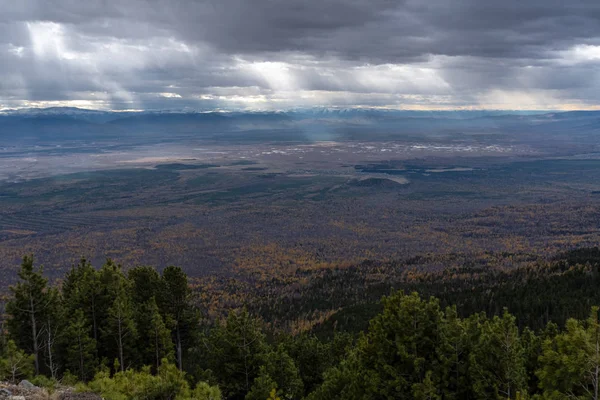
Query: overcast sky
point(278, 54)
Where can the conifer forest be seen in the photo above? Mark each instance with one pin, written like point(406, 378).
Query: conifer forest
point(139, 334)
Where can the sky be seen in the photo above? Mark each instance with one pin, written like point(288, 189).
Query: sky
point(281, 54)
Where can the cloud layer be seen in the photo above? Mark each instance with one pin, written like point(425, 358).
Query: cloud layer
point(275, 54)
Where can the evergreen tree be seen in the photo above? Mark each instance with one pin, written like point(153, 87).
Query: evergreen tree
point(395, 359)
point(121, 326)
point(93, 292)
point(498, 360)
point(204, 391)
point(114, 285)
point(28, 310)
point(178, 309)
point(283, 371)
point(411, 350)
point(570, 362)
point(15, 363)
point(82, 290)
point(400, 347)
point(236, 349)
point(313, 357)
point(453, 355)
point(52, 331)
point(158, 336)
point(346, 381)
point(79, 347)
point(147, 291)
point(426, 390)
point(262, 387)
point(172, 382)
point(532, 350)
point(146, 284)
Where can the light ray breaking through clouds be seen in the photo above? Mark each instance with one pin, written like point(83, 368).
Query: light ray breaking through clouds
point(277, 54)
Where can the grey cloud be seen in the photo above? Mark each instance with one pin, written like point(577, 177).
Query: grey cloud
point(393, 31)
point(382, 30)
point(209, 53)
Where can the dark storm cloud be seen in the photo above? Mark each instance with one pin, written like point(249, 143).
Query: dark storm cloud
point(262, 53)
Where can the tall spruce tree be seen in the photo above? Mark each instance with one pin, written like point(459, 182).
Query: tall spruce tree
point(52, 331)
point(120, 325)
point(146, 283)
point(280, 367)
point(82, 290)
point(178, 309)
point(79, 348)
point(497, 364)
point(147, 292)
point(401, 345)
point(453, 351)
point(235, 350)
point(28, 310)
point(112, 284)
point(262, 387)
point(313, 356)
point(157, 337)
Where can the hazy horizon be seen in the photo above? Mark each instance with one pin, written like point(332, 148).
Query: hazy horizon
point(315, 107)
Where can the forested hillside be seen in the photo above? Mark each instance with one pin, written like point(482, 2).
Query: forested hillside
point(464, 333)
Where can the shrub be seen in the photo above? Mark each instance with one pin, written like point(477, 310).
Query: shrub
point(168, 383)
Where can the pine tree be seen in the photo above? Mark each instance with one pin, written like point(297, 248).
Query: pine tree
point(93, 292)
point(453, 354)
point(395, 358)
point(121, 326)
point(347, 381)
point(28, 310)
point(113, 285)
point(157, 333)
point(15, 363)
point(146, 284)
point(401, 344)
point(281, 367)
point(263, 387)
point(497, 364)
point(427, 389)
point(79, 347)
point(146, 287)
point(204, 391)
point(312, 357)
point(570, 362)
point(178, 309)
point(147, 292)
point(532, 350)
point(236, 349)
point(82, 289)
point(52, 331)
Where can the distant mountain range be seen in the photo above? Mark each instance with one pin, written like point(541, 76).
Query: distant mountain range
point(100, 116)
point(315, 124)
